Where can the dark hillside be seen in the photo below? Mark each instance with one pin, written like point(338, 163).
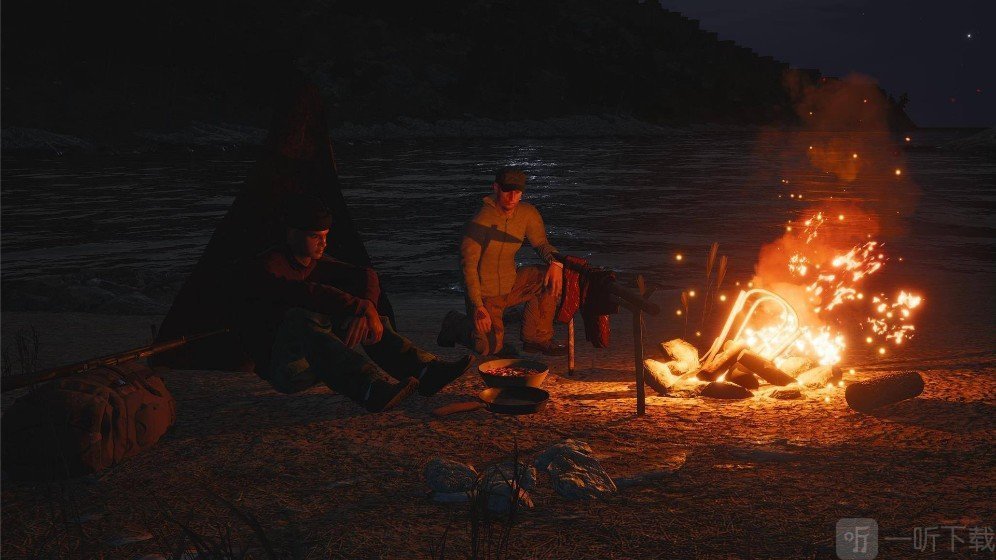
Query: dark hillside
point(82, 67)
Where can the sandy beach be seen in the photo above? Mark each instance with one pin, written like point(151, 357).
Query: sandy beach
point(758, 478)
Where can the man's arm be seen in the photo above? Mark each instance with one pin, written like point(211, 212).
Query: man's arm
point(536, 235)
point(265, 281)
point(361, 281)
point(470, 258)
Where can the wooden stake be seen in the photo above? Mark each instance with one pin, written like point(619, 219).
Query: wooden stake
point(570, 348)
point(641, 390)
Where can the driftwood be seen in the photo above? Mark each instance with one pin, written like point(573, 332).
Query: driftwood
point(764, 368)
point(818, 376)
point(685, 354)
point(658, 376)
point(865, 396)
point(722, 361)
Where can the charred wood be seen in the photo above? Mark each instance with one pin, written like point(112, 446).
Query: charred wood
point(764, 368)
point(722, 390)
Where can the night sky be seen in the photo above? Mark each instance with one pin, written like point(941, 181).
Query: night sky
point(942, 53)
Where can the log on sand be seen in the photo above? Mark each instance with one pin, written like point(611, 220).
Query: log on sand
point(865, 396)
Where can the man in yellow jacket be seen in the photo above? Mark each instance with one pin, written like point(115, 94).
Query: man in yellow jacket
point(487, 259)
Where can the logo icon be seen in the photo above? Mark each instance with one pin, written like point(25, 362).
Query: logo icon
point(857, 538)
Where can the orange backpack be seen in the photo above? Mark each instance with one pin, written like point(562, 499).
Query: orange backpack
point(85, 423)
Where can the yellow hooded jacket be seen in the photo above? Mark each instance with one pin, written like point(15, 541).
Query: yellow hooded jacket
point(490, 241)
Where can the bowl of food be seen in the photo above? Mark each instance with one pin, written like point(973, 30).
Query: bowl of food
point(514, 372)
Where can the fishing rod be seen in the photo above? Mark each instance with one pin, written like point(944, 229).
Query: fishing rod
point(19, 381)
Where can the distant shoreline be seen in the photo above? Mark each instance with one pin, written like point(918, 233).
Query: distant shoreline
point(226, 136)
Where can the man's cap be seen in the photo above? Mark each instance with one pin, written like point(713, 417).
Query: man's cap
point(307, 212)
point(511, 179)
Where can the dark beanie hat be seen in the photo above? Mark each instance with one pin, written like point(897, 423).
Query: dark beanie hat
point(306, 212)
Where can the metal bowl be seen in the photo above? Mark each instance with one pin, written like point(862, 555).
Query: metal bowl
point(534, 380)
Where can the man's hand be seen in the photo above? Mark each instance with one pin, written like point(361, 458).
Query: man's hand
point(366, 328)
point(554, 279)
point(357, 331)
point(482, 320)
point(376, 329)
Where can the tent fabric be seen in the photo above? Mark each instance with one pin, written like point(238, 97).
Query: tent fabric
point(297, 158)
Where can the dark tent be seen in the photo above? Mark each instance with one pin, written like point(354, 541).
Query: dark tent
point(297, 158)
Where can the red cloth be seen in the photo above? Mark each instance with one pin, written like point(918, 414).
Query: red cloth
point(597, 306)
point(589, 293)
point(572, 289)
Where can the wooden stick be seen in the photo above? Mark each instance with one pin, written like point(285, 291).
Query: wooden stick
point(570, 347)
point(641, 390)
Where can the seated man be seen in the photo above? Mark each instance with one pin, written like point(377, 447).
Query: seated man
point(492, 282)
point(308, 312)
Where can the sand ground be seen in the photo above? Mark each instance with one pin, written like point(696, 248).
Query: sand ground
point(760, 478)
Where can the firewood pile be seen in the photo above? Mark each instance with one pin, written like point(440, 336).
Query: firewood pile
point(735, 372)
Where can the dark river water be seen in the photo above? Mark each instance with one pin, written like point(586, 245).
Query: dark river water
point(117, 233)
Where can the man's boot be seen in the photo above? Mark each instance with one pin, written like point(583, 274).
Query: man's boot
point(439, 373)
point(384, 396)
point(449, 334)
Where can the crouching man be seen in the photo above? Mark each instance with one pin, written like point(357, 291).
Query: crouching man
point(493, 283)
point(307, 314)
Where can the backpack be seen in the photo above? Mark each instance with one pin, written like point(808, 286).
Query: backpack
point(85, 423)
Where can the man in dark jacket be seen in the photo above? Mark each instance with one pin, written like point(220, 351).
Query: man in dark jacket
point(307, 312)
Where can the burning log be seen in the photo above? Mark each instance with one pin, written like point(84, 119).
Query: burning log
point(744, 378)
point(764, 368)
point(722, 390)
point(865, 396)
point(722, 361)
point(818, 376)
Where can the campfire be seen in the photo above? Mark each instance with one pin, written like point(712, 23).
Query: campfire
point(810, 301)
point(794, 331)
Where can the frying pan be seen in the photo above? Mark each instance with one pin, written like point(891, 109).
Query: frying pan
point(502, 400)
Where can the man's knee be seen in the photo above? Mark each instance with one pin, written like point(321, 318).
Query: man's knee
point(386, 322)
point(292, 376)
point(533, 272)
